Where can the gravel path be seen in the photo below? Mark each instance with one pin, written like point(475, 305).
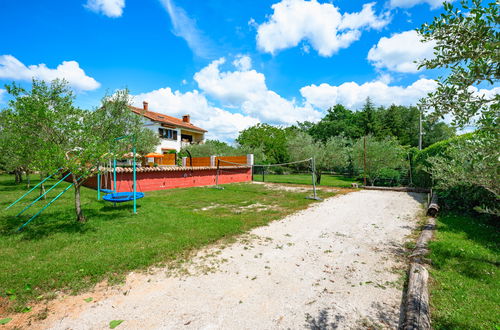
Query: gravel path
point(336, 264)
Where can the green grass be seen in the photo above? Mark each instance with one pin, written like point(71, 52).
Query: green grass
point(56, 253)
point(465, 290)
point(326, 179)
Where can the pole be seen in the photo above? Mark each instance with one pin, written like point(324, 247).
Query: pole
point(114, 174)
point(313, 170)
point(8, 207)
point(263, 173)
point(420, 128)
point(52, 201)
point(99, 185)
point(48, 190)
point(364, 160)
point(217, 175)
point(135, 178)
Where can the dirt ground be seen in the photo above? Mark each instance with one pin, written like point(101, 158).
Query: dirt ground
point(334, 265)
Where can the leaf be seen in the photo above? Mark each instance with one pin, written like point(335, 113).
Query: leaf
point(26, 309)
point(10, 292)
point(5, 320)
point(27, 287)
point(12, 297)
point(89, 299)
point(113, 324)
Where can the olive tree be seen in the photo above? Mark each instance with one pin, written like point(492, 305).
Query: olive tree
point(329, 155)
point(381, 156)
point(467, 39)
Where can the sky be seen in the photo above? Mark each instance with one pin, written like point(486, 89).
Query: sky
point(229, 64)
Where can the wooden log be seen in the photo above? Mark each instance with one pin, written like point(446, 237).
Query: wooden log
point(433, 208)
point(417, 314)
point(425, 236)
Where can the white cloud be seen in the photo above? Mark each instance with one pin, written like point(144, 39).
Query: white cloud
point(2, 92)
point(354, 96)
point(321, 25)
point(185, 27)
point(410, 3)
point(12, 68)
point(400, 51)
point(221, 124)
point(247, 91)
point(110, 8)
point(243, 62)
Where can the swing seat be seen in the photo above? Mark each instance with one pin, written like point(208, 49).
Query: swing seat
point(123, 196)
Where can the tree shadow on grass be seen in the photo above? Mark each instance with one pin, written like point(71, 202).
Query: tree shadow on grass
point(60, 222)
point(481, 232)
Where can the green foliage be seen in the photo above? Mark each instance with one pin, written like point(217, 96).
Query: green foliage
point(466, 278)
point(332, 154)
point(400, 122)
point(467, 42)
point(52, 133)
point(113, 324)
point(383, 157)
point(271, 140)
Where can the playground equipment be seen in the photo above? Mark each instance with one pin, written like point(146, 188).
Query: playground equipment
point(41, 196)
point(120, 197)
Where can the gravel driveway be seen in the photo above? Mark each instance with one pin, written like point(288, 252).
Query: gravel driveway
point(334, 265)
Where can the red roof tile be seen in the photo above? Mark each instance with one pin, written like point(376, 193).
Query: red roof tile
point(159, 117)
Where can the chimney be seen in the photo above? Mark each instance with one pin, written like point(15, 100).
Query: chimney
point(186, 119)
point(145, 105)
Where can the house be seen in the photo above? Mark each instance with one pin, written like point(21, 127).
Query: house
point(174, 133)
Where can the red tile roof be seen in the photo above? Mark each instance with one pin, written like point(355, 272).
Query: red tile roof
point(165, 119)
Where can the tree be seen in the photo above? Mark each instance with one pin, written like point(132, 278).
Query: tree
point(382, 156)
point(338, 121)
point(328, 156)
point(91, 139)
point(270, 139)
point(61, 136)
point(467, 40)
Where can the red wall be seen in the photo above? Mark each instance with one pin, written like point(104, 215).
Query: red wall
point(159, 180)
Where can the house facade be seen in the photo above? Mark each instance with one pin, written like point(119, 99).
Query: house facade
point(174, 133)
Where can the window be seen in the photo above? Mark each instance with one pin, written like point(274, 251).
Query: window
point(166, 133)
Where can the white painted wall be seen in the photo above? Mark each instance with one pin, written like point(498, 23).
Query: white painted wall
point(165, 143)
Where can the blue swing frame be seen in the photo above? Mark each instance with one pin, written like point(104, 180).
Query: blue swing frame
point(121, 197)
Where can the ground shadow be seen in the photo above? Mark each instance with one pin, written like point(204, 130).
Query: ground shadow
point(322, 322)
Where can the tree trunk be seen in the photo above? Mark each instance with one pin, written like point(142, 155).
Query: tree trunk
point(42, 188)
point(318, 177)
point(19, 176)
point(78, 205)
point(28, 181)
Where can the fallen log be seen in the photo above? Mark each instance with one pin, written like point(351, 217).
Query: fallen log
point(433, 208)
point(402, 189)
point(417, 299)
point(425, 236)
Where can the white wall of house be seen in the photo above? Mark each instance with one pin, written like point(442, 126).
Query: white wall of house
point(165, 143)
point(172, 144)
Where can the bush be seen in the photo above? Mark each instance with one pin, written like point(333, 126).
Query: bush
point(467, 199)
point(421, 165)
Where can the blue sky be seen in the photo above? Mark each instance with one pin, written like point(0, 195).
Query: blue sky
point(230, 64)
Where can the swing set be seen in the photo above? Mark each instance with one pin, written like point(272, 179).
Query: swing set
point(120, 197)
point(111, 195)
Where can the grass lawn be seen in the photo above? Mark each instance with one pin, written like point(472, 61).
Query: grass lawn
point(326, 179)
point(56, 253)
point(465, 287)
